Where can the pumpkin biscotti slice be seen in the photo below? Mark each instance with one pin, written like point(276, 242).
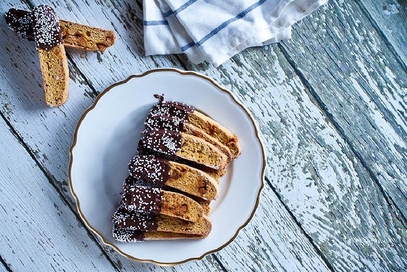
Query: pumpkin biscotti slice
point(175, 123)
point(205, 204)
point(176, 146)
point(74, 35)
point(51, 52)
point(188, 118)
point(159, 172)
point(150, 222)
point(86, 37)
point(132, 236)
point(158, 201)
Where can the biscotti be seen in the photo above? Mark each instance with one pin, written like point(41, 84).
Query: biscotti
point(20, 21)
point(141, 198)
point(186, 117)
point(160, 172)
point(74, 35)
point(86, 37)
point(55, 75)
point(205, 204)
point(52, 57)
point(178, 145)
point(149, 222)
point(51, 36)
point(131, 236)
point(174, 123)
point(175, 158)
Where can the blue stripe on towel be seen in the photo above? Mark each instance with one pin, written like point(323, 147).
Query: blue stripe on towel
point(189, 45)
point(155, 23)
point(181, 8)
point(223, 25)
point(168, 13)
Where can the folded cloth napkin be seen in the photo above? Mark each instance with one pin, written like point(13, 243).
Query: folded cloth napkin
point(216, 30)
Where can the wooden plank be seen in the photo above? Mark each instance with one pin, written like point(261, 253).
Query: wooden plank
point(363, 89)
point(3, 268)
point(390, 18)
point(38, 228)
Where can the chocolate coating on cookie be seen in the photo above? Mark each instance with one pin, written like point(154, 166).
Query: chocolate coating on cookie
point(164, 122)
point(141, 221)
point(142, 198)
point(20, 21)
point(130, 181)
point(169, 115)
point(126, 235)
point(46, 28)
point(151, 169)
point(171, 108)
point(161, 141)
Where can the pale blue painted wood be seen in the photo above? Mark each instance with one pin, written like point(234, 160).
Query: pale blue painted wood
point(39, 231)
point(390, 18)
point(330, 105)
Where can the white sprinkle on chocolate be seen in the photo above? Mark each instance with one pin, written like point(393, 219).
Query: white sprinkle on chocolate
point(20, 21)
point(150, 168)
point(47, 31)
point(142, 198)
point(166, 142)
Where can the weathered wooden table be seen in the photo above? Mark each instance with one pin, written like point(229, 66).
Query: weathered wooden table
point(331, 106)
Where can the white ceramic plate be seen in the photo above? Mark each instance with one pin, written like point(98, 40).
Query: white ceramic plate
point(106, 139)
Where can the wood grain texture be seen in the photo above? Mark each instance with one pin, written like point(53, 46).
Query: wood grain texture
point(364, 95)
point(390, 20)
point(330, 105)
point(3, 268)
point(38, 228)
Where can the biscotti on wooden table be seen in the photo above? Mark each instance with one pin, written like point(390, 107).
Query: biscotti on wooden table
point(51, 53)
point(175, 175)
point(86, 37)
point(73, 34)
point(51, 36)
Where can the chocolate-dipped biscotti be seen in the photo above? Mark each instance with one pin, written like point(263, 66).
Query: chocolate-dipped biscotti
point(150, 222)
point(73, 35)
point(178, 116)
point(160, 172)
point(140, 198)
point(51, 53)
point(179, 146)
point(175, 176)
point(51, 36)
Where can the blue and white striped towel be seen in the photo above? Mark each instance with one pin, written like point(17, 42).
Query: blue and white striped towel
point(216, 30)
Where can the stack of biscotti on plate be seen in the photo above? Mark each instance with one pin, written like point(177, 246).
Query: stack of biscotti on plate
point(51, 36)
point(182, 154)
